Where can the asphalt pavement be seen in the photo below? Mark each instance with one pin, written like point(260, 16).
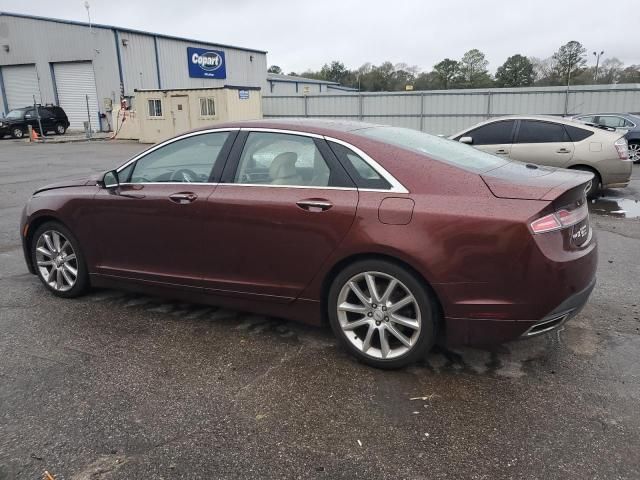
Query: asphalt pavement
point(116, 385)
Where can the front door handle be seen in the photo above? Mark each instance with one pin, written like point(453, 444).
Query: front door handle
point(314, 205)
point(563, 150)
point(502, 151)
point(183, 197)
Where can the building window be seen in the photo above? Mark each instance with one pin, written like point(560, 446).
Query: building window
point(207, 107)
point(155, 107)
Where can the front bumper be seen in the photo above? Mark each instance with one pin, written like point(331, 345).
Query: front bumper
point(485, 332)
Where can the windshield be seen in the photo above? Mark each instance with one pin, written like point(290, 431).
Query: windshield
point(438, 148)
point(15, 114)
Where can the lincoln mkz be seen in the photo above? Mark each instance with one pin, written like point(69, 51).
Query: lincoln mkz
point(397, 238)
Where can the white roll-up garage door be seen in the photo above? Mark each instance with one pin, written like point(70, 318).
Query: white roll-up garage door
point(74, 83)
point(20, 85)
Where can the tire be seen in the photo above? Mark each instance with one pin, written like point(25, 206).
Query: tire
point(634, 151)
point(60, 129)
point(361, 325)
point(55, 268)
point(17, 132)
point(596, 183)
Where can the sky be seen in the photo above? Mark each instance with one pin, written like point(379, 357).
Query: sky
point(302, 35)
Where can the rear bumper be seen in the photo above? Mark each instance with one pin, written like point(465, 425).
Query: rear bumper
point(483, 332)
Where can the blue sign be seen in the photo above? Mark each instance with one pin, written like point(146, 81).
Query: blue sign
point(205, 63)
point(243, 94)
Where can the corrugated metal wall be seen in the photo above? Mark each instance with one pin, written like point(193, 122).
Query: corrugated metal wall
point(446, 112)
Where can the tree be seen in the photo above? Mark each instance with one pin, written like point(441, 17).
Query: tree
point(516, 71)
point(544, 71)
point(570, 59)
point(610, 71)
point(473, 69)
point(334, 72)
point(274, 69)
point(630, 74)
point(427, 81)
point(446, 71)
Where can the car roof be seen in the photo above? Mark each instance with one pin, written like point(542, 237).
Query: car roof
point(310, 125)
point(549, 118)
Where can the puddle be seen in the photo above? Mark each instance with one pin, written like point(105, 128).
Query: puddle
point(615, 207)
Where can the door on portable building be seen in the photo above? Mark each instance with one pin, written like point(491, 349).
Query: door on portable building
point(180, 113)
point(76, 88)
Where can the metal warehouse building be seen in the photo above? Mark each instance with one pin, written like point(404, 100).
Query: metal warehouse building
point(87, 68)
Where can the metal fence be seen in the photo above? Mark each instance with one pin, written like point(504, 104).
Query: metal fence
point(447, 111)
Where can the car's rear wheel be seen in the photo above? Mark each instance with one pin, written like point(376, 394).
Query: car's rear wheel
point(58, 260)
point(17, 132)
point(60, 129)
point(382, 313)
point(596, 183)
point(634, 152)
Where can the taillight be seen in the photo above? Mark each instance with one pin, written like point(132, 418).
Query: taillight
point(623, 148)
point(548, 223)
point(562, 218)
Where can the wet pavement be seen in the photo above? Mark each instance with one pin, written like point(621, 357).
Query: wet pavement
point(120, 386)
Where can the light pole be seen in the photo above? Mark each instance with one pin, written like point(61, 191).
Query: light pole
point(597, 55)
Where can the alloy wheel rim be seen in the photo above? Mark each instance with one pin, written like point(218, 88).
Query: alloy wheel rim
point(17, 133)
point(634, 152)
point(379, 315)
point(60, 129)
point(57, 261)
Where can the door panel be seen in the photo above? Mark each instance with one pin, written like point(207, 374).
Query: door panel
point(150, 226)
point(260, 241)
point(145, 234)
point(495, 137)
point(543, 143)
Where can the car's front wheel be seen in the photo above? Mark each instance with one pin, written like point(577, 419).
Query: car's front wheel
point(17, 132)
point(382, 313)
point(60, 129)
point(58, 260)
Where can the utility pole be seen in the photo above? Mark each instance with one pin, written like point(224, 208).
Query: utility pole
point(597, 55)
point(87, 6)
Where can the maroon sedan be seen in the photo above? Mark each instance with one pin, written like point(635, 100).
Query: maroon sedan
point(397, 237)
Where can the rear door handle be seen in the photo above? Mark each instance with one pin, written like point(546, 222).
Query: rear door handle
point(502, 151)
point(314, 205)
point(563, 150)
point(183, 197)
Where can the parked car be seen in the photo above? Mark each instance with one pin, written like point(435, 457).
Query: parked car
point(16, 122)
point(555, 142)
point(398, 237)
point(624, 122)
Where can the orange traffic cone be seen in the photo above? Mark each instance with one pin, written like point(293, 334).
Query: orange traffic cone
point(34, 135)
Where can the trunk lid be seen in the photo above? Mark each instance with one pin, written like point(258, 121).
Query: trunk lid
point(533, 182)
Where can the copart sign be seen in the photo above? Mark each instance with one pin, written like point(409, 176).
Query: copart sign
point(204, 63)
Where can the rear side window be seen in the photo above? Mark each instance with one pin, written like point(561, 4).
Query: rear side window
point(534, 131)
point(577, 134)
point(441, 149)
point(613, 122)
point(587, 119)
point(363, 174)
point(495, 133)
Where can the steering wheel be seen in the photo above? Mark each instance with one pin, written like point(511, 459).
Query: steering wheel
point(184, 175)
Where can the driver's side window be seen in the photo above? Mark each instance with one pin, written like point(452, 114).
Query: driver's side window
point(189, 160)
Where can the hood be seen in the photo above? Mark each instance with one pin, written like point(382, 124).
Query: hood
point(526, 181)
point(72, 182)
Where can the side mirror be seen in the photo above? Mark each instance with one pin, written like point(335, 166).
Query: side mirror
point(467, 140)
point(110, 179)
